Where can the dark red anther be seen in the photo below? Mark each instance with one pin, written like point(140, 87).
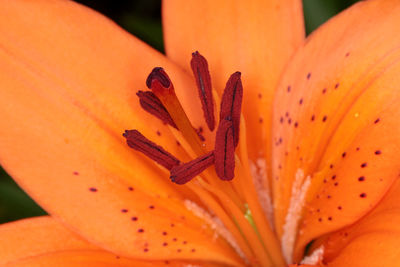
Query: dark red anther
point(231, 103)
point(158, 75)
point(137, 141)
point(225, 150)
point(153, 105)
point(203, 80)
point(182, 174)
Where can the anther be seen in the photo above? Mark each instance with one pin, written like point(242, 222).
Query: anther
point(137, 141)
point(150, 102)
point(161, 85)
point(231, 103)
point(183, 173)
point(203, 80)
point(158, 75)
point(225, 150)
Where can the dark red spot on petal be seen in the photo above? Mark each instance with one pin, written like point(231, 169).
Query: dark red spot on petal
point(289, 88)
point(361, 178)
point(93, 189)
point(363, 195)
point(308, 75)
point(377, 120)
point(75, 173)
point(378, 152)
point(344, 154)
point(140, 230)
point(363, 165)
point(124, 210)
point(151, 207)
point(134, 218)
point(165, 244)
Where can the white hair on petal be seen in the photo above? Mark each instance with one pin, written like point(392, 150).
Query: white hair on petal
point(299, 190)
point(315, 257)
point(216, 224)
point(259, 173)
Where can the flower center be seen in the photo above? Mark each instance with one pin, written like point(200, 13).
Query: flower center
point(232, 201)
point(163, 103)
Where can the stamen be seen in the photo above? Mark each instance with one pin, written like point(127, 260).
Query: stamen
point(203, 80)
point(158, 74)
point(231, 103)
point(182, 174)
point(225, 151)
point(159, 82)
point(137, 141)
point(150, 102)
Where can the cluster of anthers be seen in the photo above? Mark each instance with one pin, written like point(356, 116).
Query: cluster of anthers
point(237, 213)
point(162, 102)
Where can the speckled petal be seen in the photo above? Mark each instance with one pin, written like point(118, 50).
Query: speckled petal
point(336, 118)
point(69, 78)
point(373, 241)
point(43, 241)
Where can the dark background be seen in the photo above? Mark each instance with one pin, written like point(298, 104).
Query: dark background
point(141, 18)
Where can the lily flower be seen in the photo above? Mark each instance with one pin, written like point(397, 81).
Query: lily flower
point(304, 170)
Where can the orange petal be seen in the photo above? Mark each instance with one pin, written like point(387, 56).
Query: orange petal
point(254, 37)
point(43, 241)
point(69, 78)
point(373, 241)
point(341, 82)
point(96, 259)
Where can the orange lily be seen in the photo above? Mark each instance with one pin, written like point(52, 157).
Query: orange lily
point(318, 137)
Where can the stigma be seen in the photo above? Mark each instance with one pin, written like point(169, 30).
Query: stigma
point(161, 101)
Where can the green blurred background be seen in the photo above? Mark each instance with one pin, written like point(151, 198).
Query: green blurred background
point(141, 18)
